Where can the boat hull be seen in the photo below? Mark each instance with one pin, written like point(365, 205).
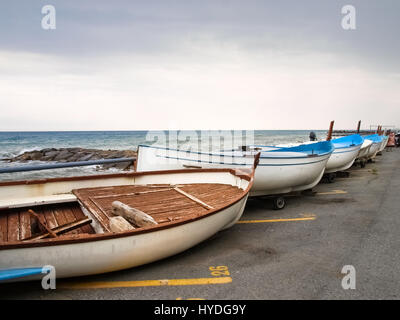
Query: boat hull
point(274, 175)
point(342, 159)
point(94, 257)
point(363, 153)
point(383, 143)
point(374, 150)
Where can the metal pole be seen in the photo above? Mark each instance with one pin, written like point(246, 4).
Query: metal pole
point(63, 165)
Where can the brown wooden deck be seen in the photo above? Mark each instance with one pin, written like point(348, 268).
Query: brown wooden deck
point(15, 224)
point(163, 202)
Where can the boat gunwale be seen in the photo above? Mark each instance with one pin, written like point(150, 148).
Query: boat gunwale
point(237, 156)
point(109, 236)
point(248, 164)
point(123, 175)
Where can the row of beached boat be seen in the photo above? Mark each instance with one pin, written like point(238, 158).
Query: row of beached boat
point(174, 200)
point(282, 168)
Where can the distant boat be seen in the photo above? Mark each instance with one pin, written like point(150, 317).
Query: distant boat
point(281, 170)
point(68, 222)
point(385, 140)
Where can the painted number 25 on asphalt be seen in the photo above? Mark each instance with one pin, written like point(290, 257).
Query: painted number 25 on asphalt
point(219, 271)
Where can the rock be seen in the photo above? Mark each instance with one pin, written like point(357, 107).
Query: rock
point(63, 155)
point(122, 165)
point(78, 154)
point(46, 150)
point(36, 155)
point(76, 157)
point(86, 157)
point(116, 154)
point(49, 156)
point(74, 150)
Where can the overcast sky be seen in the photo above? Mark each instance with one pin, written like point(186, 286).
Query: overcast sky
point(141, 65)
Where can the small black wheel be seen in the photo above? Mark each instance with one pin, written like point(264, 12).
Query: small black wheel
point(308, 192)
point(331, 177)
point(362, 164)
point(279, 203)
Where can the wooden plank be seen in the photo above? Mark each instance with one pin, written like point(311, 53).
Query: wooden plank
point(62, 229)
point(59, 215)
point(42, 223)
point(13, 226)
point(87, 228)
point(25, 224)
point(193, 198)
point(3, 227)
point(129, 194)
point(69, 215)
point(51, 220)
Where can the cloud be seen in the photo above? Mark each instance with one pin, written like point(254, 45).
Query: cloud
point(205, 86)
point(198, 65)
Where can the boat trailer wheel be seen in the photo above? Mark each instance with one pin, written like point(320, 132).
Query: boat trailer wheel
point(362, 163)
point(279, 203)
point(331, 177)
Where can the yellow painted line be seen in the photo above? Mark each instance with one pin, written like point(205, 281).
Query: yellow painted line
point(277, 220)
point(332, 192)
point(144, 283)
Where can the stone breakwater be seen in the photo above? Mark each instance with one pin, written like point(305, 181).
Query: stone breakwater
point(77, 154)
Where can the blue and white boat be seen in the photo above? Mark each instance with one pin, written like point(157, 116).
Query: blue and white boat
point(346, 151)
point(280, 170)
point(377, 141)
point(385, 140)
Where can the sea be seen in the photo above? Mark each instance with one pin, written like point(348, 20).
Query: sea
point(16, 143)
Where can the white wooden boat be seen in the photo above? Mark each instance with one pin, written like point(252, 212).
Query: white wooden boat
point(385, 140)
point(364, 150)
point(346, 150)
point(362, 156)
point(345, 153)
point(280, 170)
point(188, 207)
point(376, 145)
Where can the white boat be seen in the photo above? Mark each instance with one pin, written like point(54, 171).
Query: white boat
point(280, 170)
point(376, 145)
point(385, 140)
point(346, 150)
point(188, 206)
point(362, 156)
point(364, 150)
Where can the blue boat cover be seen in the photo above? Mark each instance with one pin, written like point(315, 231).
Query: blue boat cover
point(348, 141)
point(375, 138)
point(319, 148)
point(18, 273)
